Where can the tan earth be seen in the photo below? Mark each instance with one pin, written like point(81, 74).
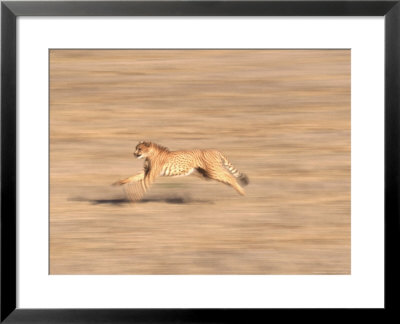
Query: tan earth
point(280, 116)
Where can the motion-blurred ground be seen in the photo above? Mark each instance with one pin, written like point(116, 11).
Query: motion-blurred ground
point(280, 116)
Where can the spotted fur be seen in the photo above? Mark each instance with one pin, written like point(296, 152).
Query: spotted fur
point(160, 161)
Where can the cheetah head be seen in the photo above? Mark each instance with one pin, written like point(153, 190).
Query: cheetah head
point(142, 150)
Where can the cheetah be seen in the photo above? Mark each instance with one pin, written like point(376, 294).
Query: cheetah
point(160, 161)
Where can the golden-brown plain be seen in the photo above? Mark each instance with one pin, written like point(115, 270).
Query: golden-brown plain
point(282, 117)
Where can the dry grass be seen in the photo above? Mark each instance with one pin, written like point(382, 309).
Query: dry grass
point(280, 116)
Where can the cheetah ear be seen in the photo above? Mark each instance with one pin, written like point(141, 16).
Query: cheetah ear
point(145, 143)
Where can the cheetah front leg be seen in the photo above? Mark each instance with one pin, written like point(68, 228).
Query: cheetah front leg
point(140, 183)
point(134, 186)
point(135, 178)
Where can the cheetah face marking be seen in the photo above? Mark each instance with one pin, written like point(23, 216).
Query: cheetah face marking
point(142, 150)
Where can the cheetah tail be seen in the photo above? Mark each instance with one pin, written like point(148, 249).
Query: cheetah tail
point(243, 179)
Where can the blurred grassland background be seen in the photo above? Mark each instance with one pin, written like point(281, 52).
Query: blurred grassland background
point(280, 116)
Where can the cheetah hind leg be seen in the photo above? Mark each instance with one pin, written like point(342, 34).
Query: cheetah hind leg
point(201, 173)
point(227, 178)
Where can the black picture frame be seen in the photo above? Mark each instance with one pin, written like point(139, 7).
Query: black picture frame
point(10, 10)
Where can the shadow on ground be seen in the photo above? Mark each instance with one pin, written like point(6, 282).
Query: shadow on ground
point(159, 199)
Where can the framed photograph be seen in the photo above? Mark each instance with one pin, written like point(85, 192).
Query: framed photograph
point(198, 161)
